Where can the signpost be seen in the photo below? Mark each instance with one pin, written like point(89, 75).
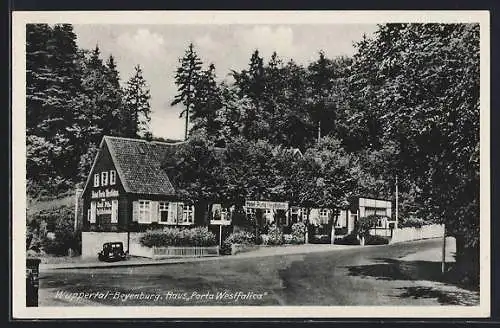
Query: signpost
point(220, 223)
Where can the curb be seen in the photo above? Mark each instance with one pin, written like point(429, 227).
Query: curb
point(242, 255)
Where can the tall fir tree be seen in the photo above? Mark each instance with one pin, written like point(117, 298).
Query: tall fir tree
point(137, 109)
point(320, 83)
point(115, 97)
point(186, 79)
point(250, 85)
point(207, 102)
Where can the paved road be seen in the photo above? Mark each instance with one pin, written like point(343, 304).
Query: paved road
point(400, 274)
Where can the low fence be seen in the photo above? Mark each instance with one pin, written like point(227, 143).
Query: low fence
point(382, 232)
point(425, 232)
point(195, 251)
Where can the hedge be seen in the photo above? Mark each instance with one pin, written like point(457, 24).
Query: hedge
point(199, 236)
point(240, 237)
point(351, 239)
point(412, 222)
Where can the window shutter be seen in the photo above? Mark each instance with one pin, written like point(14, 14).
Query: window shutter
point(92, 212)
point(172, 215)
point(135, 211)
point(180, 213)
point(154, 211)
point(114, 211)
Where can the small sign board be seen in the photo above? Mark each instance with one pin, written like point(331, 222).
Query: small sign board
point(266, 205)
point(220, 222)
point(104, 193)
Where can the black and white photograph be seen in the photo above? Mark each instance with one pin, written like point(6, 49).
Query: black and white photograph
point(258, 164)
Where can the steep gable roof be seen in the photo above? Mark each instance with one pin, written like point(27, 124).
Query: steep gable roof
point(138, 164)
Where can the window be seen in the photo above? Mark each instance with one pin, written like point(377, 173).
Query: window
point(224, 214)
point(144, 211)
point(96, 180)
point(323, 215)
point(114, 211)
point(164, 217)
point(104, 178)
point(296, 215)
point(250, 210)
point(93, 210)
point(188, 214)
point(112, 177)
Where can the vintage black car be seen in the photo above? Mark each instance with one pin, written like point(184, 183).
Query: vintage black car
point(112, 252)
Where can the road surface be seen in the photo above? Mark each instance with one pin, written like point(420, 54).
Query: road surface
point(399, 274)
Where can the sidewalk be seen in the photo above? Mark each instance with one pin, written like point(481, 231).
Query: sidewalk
point(260, 252)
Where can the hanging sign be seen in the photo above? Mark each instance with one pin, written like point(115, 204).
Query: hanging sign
point(221, 217)
point(104, 193)
point(103, 207)
point(266, 205)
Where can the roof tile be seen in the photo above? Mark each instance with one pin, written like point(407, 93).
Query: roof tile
point(138, 163)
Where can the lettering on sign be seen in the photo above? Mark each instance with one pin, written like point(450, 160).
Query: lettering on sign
point(103, 207)
point(267, 205)
point(104, 193)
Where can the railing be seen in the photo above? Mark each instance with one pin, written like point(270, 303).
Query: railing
point(194, 251)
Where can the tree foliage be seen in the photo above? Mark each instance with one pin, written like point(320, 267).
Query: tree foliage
point(73, 98)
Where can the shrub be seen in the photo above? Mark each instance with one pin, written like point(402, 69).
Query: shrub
point(264, 239)
point(412, 222)
point(350, 239)
point(375, 240)
point(275, 235)
point(199, 236)
point(65, 238)
point(320, 239)
point(341, 231)
point(240, 237)
point(288, 239)
point(299, 229)
point(364, 224)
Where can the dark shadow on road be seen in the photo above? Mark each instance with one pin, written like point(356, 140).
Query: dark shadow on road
point(443, 297)
point(392, 269)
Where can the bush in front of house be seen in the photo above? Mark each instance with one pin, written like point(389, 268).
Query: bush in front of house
point(319, 239)
point(341, 231)
point(237, 238)
point(376, 240)
point(264, 239)
point(275, 235)
point(65, 238)
point(298, 233)
point(199, 236)
point(412, 222)
point(288, 239)
point(350, 239)
point(364, 224)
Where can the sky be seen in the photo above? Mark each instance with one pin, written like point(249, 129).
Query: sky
point(158, 48)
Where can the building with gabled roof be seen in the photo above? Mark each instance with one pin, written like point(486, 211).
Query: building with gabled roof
point(127, 187)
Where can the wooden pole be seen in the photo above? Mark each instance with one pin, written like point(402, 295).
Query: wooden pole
point(397, 204)
point(443, 261)
point(220, 235)
point(319, 131)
